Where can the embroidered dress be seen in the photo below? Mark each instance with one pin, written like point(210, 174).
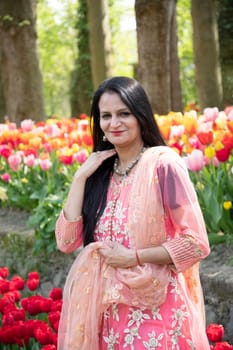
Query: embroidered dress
point(178, 322)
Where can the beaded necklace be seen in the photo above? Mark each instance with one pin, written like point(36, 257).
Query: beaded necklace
point(125, 173)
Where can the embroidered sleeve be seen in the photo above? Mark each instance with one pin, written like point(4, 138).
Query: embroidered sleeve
point(68, 233)
point(187, 240)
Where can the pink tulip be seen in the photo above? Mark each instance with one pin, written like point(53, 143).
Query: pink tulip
point(52, 130)
point(210, 113)
point(5, 177)
point(45, 164)
point(195, 160)
point(27, 125)
point(80, 156)
point(176, 131)
point(30, 160)
point(14, 161)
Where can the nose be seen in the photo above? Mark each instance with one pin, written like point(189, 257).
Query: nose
point(115, 121)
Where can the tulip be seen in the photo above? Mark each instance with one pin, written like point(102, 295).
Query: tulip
point(14, 161)
point(45, 164)
point(223, 154)
point(81, 156)
point(5, 151)
point(227, 205)
point(6, 177)
point(215, 332)
point(55, 294)
point(17, 282)
point(33, 283)
point(223, 346)
point(195, 160)
point(205, 137)
point(27, 125)
point(4, 272)
point(30, 160)
point(33, 274)
point(210, 114)
point(176, 131)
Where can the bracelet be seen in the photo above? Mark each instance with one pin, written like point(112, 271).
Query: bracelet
point(137, 257)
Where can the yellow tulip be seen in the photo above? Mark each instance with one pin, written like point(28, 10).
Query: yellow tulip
point(209, 152)
point(227, 205)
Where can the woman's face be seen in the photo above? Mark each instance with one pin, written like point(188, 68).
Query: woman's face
point(117, 122)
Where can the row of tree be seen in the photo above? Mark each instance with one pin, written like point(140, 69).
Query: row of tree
point(21, 86)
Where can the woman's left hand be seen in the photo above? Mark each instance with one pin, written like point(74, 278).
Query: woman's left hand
point(116, 255)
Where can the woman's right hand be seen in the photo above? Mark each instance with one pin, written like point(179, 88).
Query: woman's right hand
point(93, 162)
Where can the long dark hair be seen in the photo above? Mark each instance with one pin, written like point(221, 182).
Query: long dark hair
point(134, 97)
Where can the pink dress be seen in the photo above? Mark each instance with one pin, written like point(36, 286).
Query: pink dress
point(177, 324)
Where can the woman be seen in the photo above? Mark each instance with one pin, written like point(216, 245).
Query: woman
point(135, 285)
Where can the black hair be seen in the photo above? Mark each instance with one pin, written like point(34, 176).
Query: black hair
point(134, 97)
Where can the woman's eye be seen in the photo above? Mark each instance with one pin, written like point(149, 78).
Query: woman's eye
point(106, 116)
point(125, 114)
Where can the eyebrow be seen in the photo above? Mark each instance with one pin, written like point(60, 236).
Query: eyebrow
point(119, 110)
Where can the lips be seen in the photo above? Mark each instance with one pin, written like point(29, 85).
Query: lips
point(116, 133)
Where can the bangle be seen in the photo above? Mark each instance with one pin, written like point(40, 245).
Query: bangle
point(137, 257)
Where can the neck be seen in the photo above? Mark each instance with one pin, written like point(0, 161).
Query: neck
point(130, 165)
point(128, 155)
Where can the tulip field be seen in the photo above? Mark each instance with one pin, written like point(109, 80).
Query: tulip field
point(37, 163)
point(38, 160)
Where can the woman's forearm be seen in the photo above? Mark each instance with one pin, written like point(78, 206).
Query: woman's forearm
point(74, 202)
point(154, 255)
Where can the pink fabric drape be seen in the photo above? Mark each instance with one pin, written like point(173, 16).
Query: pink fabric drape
point(92, 285)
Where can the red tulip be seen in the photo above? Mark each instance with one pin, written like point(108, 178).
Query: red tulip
point(4, 272)
point(205, 137)
point(215, 332)
point(56, 294)
point(43, 336)
point(223, 154)
point(33, 284)
point(33, 274)
point(17, 283)
point(223, 346)
point(4, 286)
point(49, 347)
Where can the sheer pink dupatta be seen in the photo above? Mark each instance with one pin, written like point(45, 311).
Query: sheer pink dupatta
point(92, 286)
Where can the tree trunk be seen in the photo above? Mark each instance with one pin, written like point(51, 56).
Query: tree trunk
point(100, 40)
point(225, 30)
point(81, 80)
point(2, 103)
point(158, 68)
point(206, 54)
point(19, 66)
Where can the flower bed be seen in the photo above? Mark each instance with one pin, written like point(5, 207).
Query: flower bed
point(38, 161)
point(30, 321)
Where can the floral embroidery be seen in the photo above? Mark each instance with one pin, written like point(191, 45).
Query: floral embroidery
point(153, 342)
point(130, 335)
point(156, 314)
point(175, 334)
point(111, 340)
point(137, 316)
point(179, 316)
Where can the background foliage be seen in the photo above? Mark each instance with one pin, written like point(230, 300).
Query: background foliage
point(57, 44)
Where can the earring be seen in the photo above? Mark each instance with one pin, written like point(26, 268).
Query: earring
point(105, 138)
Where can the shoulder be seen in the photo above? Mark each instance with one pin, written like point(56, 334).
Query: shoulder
point(166, 158)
